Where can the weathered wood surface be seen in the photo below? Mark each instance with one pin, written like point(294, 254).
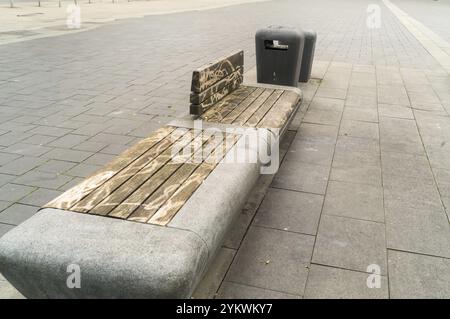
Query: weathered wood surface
point(279, 114)
point(228, 105)
point(213, 82)
point(254, 107)
point(185, 191)
point(206, 76)
point(224, 86)
point(146, 162)
point(166, 170)
point(76, 193)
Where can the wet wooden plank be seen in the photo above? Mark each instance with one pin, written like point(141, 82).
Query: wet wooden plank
point(167, 211)
point(280, 112)
point(132, 196)
point(230, 117)
point(76, 193)
point(265, 107)
point(98, 195)
point(209, 74)
point(227, 105)
point(253, 107)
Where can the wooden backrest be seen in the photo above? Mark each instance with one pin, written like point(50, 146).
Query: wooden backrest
point(213, 81)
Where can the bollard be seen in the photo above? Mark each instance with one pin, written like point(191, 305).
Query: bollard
point(308, 55)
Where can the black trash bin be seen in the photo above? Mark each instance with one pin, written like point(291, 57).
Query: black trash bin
point(279, 55)
point(308, 55)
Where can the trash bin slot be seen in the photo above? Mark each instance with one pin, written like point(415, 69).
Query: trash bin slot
point(275, 45)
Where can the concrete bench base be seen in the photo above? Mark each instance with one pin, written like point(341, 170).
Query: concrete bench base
point(124, 259)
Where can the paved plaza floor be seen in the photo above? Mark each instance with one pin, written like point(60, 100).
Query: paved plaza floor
point(364, 184)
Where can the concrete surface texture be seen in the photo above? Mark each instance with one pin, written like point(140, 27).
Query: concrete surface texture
point(364, 185)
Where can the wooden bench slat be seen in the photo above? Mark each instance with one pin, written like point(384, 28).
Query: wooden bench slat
point(228, 104)
point(265, 107)
point(279, 113)
point(76, 193)
point(136, 197)
point(96, 196)
point(154, 202)
point(254, 106)
point(230, 117)
point(208, 75)
point(217, 93)
point(227, 84)
point(167, 211)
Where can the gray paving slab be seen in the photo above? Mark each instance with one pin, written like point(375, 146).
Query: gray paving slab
point(13, 192)
point(359, 129)
point(317, 133)
point(289, 210)
point(209, 285)
point(17, 213)
point(397, 111)
point(40, 197)
point(360, 114)
point(406, 165)
point(55, 166)
point(418, 229)
point(418, 276)
point(231, 290)
point(21, 165)
point(82, 170)
point(42, 179)
point(350, 243)
point(67, 155)
point(354, 200)
point(393, 94)
point(273, 259)
point(410, 192)
point(4, 204)
point(335, 283)
point(4, 228)
point(303, 177)
point(311, 152)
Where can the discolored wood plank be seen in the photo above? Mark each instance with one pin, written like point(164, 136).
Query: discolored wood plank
point(227, 105)
point(227, 84)
point(76, 193)
point(280, 112)
point(144, 212)
point(265, 107)
point(132, 196)
point(98, 195)
point(233, 82)
point(209, 74)
point(253, 107)
point(230, 117)
point(185, 191)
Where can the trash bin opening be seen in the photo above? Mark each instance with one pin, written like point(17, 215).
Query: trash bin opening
point(275, 45)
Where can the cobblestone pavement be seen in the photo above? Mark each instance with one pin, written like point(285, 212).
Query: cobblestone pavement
point(364, 181)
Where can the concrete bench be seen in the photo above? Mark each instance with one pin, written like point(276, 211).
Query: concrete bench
point(148, 223)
